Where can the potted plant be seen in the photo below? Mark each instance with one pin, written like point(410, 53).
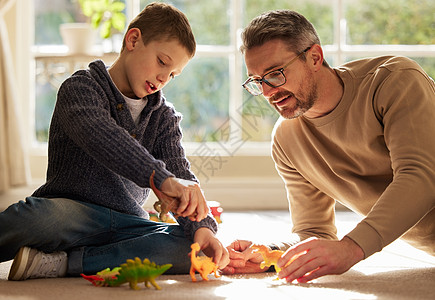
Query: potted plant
point(105, 15)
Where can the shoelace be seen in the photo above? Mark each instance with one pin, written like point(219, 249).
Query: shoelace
point(50, 265)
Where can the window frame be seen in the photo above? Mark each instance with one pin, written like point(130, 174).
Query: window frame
point(27, 53)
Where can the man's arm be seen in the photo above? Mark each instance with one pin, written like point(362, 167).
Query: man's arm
point(313, 214)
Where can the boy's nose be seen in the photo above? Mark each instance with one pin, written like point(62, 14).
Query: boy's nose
point(163, 78)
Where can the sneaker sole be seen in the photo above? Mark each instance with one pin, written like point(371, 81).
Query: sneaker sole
point(19, 264)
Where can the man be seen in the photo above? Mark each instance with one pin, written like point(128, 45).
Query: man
point(361, 133)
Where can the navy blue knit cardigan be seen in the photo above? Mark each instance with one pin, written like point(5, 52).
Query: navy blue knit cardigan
point(97, 154)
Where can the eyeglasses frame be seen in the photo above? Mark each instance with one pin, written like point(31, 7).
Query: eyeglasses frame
point(281, 70)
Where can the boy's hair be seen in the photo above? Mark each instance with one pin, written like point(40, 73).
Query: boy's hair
point(160, 21)
point(286, 25)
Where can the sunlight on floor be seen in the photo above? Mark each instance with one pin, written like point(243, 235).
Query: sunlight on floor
point(270, 226)
point(268, 288)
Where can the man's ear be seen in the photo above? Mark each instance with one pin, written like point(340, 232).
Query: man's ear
point(315, 54)
point(132, 37)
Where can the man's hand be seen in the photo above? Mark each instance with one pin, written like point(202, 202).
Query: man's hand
point(212, 247)
point(242, 260)
point(314, 258)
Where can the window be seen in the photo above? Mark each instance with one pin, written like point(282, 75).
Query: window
point(216, 109)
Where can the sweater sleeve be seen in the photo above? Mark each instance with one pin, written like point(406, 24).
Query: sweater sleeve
point(405, 105)
point(312, 211)
point(169, 149)
point(84, 113)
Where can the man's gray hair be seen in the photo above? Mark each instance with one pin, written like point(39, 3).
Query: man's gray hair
point(286, 25)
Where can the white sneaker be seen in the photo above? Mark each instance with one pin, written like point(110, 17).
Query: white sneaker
point(31, 263)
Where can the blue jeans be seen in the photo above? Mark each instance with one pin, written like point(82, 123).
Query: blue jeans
point(93, 236)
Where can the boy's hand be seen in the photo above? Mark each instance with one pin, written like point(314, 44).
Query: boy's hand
point(184, 198)
point(212, 247)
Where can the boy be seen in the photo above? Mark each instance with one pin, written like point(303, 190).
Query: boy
point(111, 128)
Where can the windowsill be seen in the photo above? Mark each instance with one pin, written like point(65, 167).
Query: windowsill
point(60, 52)
point(197, 149)
point(225, 149)
point(209, 161)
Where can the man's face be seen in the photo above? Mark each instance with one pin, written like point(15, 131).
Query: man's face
point(299, 92)
point(151, 66)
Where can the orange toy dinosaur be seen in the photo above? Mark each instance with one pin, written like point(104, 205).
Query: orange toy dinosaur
point(202, 264)
point(270, 256)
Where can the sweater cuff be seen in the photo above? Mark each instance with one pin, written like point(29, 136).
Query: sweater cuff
point(367, 238)
point(160, 176)
point(190, 227)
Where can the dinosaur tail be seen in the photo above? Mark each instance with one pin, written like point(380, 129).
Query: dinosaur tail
point(163, 268)
point(94, 279)
point(106, 280)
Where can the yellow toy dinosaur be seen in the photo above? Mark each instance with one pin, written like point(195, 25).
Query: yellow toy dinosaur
point(270, 257)
point(202, 264)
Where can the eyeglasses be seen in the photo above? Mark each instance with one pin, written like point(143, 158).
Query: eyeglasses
point(273, 78)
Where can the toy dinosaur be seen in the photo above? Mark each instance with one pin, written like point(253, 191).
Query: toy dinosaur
point(162, 207)
point(165, 203)
point(270, 257)
point(202, 264)
point(133, 272)
point(155, 216)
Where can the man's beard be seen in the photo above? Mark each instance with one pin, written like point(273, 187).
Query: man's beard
point(300, 106)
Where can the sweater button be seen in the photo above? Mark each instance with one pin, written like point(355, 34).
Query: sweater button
point(133, 135)
point(120, 106)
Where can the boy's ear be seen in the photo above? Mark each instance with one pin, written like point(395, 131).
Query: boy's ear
point(132, 37)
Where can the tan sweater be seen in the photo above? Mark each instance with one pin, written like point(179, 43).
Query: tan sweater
point(374, 153)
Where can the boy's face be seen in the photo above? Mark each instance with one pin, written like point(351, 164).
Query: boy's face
point(148, 68)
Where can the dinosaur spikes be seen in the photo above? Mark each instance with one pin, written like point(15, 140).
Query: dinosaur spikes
point(146, 261)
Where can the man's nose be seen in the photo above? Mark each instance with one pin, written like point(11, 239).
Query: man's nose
point(268, 91)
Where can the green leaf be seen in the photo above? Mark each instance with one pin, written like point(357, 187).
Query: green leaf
point(105, 13)
point(87, 8)
point(117, 6)
point(96, 19)
point(105, 29)
point(118, 21)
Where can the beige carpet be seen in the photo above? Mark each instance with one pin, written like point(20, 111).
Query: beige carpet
point(398, 272)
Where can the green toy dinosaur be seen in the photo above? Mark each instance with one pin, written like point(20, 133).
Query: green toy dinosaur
point(133, 272)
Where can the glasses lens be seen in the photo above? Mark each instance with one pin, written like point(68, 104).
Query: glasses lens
point(275, 78)
point(254, 88)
